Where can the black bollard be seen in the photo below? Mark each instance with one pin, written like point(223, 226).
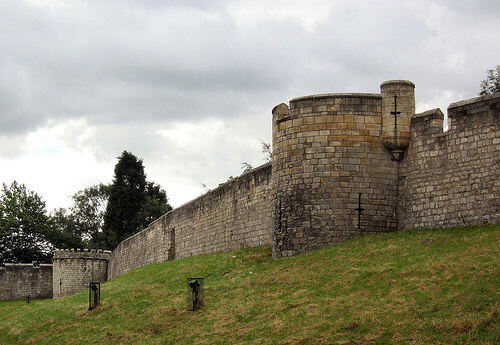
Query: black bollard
point(94, 295)
point(196, 298)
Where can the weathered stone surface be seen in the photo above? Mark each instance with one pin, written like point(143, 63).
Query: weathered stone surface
point(234, 215)
point(74, 269)
point(20, 280)
point(398, 107)
point(453, 178)
point(323, 157)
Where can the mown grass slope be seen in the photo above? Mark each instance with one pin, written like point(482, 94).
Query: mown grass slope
point(411, 287)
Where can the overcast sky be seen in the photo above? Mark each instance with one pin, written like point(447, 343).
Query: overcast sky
point(188, 86)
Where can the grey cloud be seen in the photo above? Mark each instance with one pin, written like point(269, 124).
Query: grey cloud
point(472, 8)
point(360, 46)
point(134, 62)
point(96, 65)
point(129, 68)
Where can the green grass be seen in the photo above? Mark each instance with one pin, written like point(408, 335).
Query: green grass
point(410, 287)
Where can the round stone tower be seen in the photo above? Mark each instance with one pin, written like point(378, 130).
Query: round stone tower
point(332, 177)
point(398, 107)
point(74, 269)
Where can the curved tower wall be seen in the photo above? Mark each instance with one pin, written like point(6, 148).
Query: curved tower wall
point(74, 269)
point(326, 150)
point(398, 107)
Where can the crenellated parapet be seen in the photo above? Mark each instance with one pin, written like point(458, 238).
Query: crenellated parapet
point(452, 178)
point(96, 254)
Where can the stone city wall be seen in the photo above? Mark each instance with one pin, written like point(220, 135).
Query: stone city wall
point(73, 270)
point(453, 178)
point(327, 149)
point(20, 280)
point(234, 215)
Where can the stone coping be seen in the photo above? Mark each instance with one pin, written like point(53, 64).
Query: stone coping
point(427, 113)
point(474, 100)
point(397, 81)
point(336, 95)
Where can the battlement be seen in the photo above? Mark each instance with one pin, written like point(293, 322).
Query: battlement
point(397, 83)
point(96, 254)
point(451, 178)
point(430, 121)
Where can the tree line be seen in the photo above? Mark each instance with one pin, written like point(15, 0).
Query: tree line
point(101, 216)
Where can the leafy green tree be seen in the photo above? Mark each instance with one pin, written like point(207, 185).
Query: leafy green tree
point(126, 199)
point(65, 232)
point(88, 209)
point(80, 225)
point(24, 226)
point(492, 82)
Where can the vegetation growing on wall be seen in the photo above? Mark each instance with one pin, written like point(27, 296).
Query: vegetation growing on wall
point(492, 82)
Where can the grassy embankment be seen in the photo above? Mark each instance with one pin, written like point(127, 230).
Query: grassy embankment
point(412, 287)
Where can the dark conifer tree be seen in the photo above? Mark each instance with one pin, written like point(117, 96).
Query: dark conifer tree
point(126, 199)
point(155, 205)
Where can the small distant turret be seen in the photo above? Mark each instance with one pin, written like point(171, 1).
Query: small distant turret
point(398, 107)
point(73, 269)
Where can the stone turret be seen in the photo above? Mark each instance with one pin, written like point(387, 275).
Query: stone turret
point(332, 178)
point(398, 107)
point(73, 269)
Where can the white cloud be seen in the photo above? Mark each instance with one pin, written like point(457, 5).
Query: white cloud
point(308, 13)
point(53, 169)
